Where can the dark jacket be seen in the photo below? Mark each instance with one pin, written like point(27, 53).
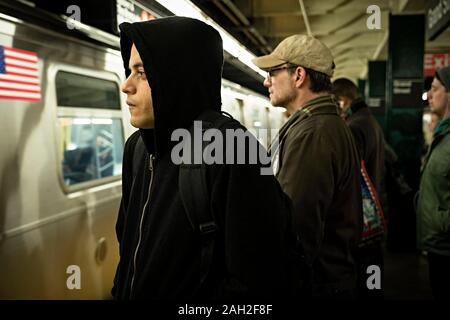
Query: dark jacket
point(319, 170)
point(369, 140)
point(434, 195)
point(159, 251)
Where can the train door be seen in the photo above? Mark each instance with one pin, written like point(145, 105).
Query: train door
point(61, 216)
point(89, 132)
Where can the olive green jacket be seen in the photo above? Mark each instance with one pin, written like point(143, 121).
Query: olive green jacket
point(433, 205)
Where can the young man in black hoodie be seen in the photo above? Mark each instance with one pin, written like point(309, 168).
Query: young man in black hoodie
point(173, 67)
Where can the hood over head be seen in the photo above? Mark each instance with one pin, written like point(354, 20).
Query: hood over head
point(183, 61)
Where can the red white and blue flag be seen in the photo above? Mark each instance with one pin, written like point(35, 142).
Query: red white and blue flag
point(19, 76)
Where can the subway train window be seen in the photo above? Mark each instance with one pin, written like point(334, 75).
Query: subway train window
point(91, 137)
point(92, 148)
point(75, 90)
point(231, 105)
point(255, 119)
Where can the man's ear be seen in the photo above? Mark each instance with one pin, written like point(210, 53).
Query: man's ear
point(300, 76)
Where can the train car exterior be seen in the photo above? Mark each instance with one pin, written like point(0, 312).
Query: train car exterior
point(60, 164)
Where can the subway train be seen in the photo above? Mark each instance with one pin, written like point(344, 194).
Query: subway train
point(64, 123)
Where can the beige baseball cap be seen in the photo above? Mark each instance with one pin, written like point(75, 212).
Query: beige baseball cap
point(302, 50)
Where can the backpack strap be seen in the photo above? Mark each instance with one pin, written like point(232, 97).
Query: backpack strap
point(195, 195)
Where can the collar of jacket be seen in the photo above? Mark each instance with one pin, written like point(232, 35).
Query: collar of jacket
point(320, 105)
point(148, 137)
point(357, 105)
point(442, 128)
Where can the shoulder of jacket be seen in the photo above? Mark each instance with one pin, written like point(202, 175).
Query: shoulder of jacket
point(134, 137)
point(131, 142)
point(300, 130)
point(360, 117)
point(447, 131)
point(319, 121)
point(443, 139)
point(446, 141)
point(225, 122)
point(361, 124)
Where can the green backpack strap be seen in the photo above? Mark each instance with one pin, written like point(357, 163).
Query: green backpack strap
point(195, 194)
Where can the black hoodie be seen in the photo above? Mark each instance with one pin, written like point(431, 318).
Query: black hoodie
point(183, 60)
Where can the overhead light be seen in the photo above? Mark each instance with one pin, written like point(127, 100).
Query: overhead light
point(424, 96)
point(187, 9)
point(81, 121)
point(101, 121)
point(72, 146)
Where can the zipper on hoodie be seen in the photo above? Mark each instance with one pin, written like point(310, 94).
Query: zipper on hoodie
point(141, 222)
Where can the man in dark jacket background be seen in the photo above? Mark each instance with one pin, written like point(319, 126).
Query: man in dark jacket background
point(316, 162)
point(367, 132)
point(369, 140)
point(173, 67)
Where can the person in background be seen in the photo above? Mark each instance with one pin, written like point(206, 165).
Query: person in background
point(369, 139)
point(316, 162)
point(433, 206)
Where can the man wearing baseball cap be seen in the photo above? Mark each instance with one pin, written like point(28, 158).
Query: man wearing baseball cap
point(433, 207)
point(316, 162)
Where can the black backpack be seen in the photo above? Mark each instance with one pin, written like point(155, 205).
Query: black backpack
point(193, 188)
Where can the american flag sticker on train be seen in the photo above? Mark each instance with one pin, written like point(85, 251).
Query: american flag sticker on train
point(19, 77)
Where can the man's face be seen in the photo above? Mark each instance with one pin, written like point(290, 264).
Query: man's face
point(281, 85)
point(438, 98)
point(139, 94)
point(344, 104)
